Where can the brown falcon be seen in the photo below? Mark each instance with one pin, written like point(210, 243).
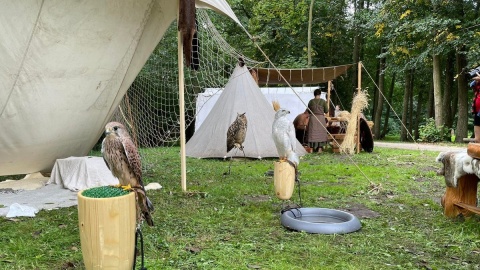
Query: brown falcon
point(236, 132)
point(122, 158)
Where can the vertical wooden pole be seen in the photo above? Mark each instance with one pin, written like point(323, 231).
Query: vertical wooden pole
point(328, 97)
point(181, 91)
point(359, 83)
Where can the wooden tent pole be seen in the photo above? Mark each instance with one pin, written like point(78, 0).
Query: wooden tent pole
point(328, 97)
point(358, 92)
point(181, 96)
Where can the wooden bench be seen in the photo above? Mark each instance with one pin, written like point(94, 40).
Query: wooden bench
point(461, 173)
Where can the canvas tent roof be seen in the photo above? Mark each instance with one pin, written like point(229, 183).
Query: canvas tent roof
point(241, 94)
point(300, 76)
point(65, 66)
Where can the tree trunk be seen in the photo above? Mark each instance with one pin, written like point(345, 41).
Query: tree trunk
point(387, 111)
point(447, 92)
point(418, 114)
point(356, 45)
point(379, 105)
point(437, 90)
point(410, 104)
point(430, 111)
point(463, 104)
point(309, 35)
point(375, 89)
point(406, 98)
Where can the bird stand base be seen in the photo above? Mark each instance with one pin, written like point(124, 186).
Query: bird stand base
point(107, 231)
point(283, 180)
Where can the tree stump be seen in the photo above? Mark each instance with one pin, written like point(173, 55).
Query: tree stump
point(465, 193)
point(462, 173)
point(107, 231)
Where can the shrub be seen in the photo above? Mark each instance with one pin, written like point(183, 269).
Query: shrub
point(429, 132)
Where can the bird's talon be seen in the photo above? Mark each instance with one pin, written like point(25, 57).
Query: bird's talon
point(127, 187)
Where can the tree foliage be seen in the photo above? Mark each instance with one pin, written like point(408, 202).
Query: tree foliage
point(406, 35)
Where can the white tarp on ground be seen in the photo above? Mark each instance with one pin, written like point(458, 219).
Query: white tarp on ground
point(241, 95)
point(65, 66)
point(47, 197)
point(284, 95)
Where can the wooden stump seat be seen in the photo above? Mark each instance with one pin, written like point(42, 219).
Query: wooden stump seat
point(462, 173)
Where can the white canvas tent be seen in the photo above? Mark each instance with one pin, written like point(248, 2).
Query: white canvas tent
point(241, 94)
point(65, 66)
point(283, 95)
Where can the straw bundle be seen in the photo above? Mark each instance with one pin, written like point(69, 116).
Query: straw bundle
point(276, 105)
point(360, 102)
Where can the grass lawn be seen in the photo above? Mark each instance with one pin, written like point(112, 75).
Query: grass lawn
point(233, 222)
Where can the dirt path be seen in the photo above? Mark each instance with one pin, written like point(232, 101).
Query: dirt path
point(421, 146)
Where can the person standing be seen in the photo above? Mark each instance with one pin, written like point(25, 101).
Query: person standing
point(475, 85)
point(301, 124)
point(317, 132)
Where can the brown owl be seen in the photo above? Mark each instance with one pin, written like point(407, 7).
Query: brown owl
point(236, 132)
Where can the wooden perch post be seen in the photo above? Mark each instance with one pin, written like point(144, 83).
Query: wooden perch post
point(107, 231)
point(283, 180)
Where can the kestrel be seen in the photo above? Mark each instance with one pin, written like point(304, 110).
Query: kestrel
point(283, 133)
point(122, 158)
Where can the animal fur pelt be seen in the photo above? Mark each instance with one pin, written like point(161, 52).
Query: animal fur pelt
point(457, 164)
point(186, 25)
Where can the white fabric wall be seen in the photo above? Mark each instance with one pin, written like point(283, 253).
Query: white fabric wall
point(284, 95)
point(65, 66)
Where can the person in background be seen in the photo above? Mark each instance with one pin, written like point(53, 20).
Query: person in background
point(475, 85)
point(301, 124)
point(317, 133)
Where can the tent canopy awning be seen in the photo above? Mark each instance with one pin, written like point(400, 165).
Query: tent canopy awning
point(301, 76)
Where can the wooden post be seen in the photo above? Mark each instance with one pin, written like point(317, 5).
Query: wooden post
point(107, 231)
point(358, 117)
point(465, 194)
point(181, 97)
point(283, 180)
point(328, 97)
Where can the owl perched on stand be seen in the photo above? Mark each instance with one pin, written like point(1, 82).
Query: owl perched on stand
point(236, 133)
point(122, 158)
point(283, 133)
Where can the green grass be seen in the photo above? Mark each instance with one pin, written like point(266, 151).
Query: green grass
point(233, 222)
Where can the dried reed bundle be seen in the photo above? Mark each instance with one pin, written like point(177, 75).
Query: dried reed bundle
point(360, 102)
point(276, 105)
point(344, 114)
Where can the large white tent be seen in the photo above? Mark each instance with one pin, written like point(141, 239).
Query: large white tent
point(296, 102)
point(241, 95)
point(65, 66)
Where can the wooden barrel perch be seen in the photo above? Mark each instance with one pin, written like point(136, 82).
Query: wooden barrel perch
point(107, 230)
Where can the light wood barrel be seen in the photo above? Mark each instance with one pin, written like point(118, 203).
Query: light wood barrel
point(107, 231)
point(283, 180)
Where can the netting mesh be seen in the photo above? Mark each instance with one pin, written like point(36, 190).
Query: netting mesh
point(150, 108)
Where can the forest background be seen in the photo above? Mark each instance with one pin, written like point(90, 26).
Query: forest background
point(417, 53)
